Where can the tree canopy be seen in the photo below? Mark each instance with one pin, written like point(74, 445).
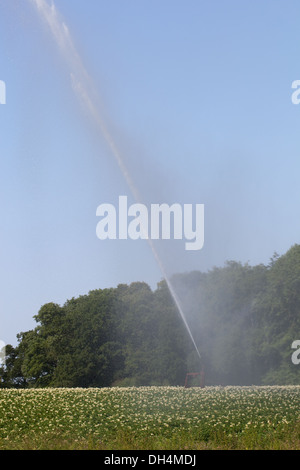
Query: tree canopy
point(243, 319)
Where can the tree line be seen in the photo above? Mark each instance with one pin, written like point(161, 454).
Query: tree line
point(243, 319)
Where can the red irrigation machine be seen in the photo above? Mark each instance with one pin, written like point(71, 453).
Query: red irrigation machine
point(190, 379)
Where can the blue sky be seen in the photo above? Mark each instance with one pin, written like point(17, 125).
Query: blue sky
point(197, 97)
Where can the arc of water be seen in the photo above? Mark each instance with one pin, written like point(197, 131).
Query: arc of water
point(82, 86)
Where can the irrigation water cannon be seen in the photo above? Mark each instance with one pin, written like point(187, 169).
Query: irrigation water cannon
point(201, 376)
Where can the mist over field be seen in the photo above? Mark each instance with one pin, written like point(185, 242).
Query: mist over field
point(159, 104)
point(242, 330)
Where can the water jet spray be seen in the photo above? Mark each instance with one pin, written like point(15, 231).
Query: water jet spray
point(82, 86)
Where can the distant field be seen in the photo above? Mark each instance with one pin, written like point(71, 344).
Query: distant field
point(151, 418)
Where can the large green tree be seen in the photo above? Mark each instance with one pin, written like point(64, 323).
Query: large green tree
point(243, 320)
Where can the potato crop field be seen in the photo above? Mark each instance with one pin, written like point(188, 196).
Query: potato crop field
point(149, 418)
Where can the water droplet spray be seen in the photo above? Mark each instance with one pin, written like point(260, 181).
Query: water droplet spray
point(82, 86)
